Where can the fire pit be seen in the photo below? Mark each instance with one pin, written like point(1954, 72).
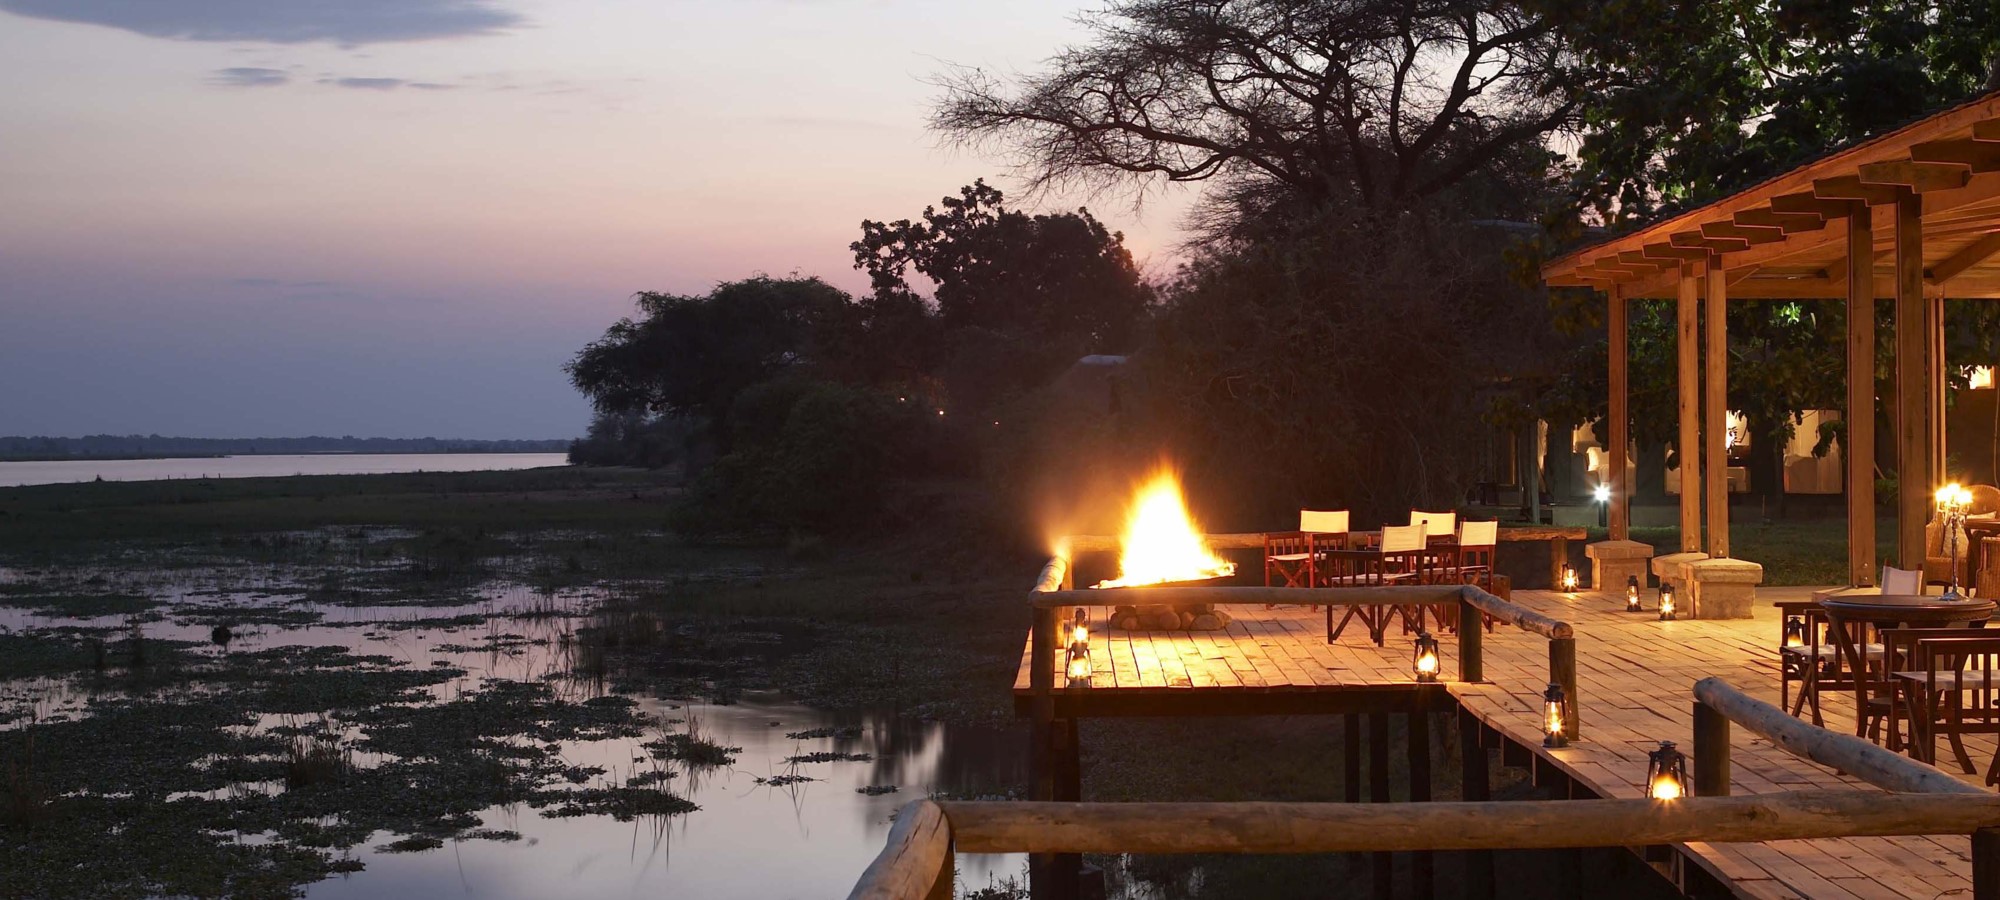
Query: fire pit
point(1163, 547)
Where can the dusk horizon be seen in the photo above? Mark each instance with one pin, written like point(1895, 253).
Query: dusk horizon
point(402, 219)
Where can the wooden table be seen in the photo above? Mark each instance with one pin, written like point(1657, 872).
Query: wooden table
point(1891, 611)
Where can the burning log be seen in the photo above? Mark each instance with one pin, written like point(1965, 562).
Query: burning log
point(1163, 546)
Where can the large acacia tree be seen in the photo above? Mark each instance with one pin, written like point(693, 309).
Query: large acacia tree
point(1376, 103)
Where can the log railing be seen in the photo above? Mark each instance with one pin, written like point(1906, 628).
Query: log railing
point(917, 859)
point(1717, 705)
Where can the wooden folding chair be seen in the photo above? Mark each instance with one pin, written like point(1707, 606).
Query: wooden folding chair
point(1398, 559)
point(1950, 686)
point(1290, 557)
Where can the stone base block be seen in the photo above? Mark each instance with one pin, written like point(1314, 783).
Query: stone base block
point(1613, 563)
point(1723, 588)
point(1672, 567)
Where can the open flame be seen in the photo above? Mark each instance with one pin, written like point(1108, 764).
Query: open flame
point(1162, 542)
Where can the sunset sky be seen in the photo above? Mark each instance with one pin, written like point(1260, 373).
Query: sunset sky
point(240, 218)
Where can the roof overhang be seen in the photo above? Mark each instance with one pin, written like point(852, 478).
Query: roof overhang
point(1787, 237)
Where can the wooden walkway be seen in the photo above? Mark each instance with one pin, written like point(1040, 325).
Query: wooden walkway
point(1635, 677)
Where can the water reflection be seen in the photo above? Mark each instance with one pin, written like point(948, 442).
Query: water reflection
point(804, 840)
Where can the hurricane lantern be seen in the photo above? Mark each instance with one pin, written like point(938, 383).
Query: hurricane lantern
point(1952, 501)
point(1425, 662)
point(1079, 662)
point(1555, 711)
point(1666, 602)
point(1569, 581)
point(1632, 593)
point(1795, 631)
point(1080, 631)
point(1666, 773)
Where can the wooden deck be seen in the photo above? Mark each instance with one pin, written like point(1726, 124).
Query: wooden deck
point(1635, 676)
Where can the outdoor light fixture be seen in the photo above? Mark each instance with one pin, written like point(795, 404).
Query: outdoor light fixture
point(1952, 500)
point(1602, 493)
point(1426, 659)
point(1666, 773)
point(1632, 594)
point(1569, 578)
point(1795, 631)
point(1666, 602)
point(1079, 662)
point(1080, 632)
point(1554, 711)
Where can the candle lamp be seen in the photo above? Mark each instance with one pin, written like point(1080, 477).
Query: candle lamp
point(1632, 593)
point(1555, 712)
point(1667, 606)
point(1425, 660)
point(1569, 580)
point(1666, 773)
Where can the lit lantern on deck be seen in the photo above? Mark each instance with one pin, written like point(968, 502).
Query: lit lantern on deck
point(1666, 773)
point(1632, 593)
point(1426, 660)
point(1795, 631)
point(1666, 602)
point(1569, 581)
point(1079, 663)
point(1080, 632)
point(1555, 711)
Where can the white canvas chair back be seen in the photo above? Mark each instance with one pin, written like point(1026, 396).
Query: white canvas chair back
point(1323, 521)
point(1478, 534)
point(1402, 538)
point(1902, 581)
point(1435, 523)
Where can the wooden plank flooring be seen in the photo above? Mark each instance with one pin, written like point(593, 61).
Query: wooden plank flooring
point(1635, 677)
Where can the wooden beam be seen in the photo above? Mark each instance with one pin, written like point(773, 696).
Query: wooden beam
point(1789, 222)
point(1687, 355)
point(1649, 264)
point(1807, 203)
point(1715, 421)
point(1858, 451)
point(1978, 156)
point(1885, 769)
point(999, 826)
point(1751, 234)
point(1618, 516)
point(1988, 130)
point(1922, 177)
point(1669, 251)
point(1981, 249)
point(1851, 187)
point(1701, 241)
point(1913, 391)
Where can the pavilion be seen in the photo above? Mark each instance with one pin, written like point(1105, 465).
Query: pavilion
point(1912, 216)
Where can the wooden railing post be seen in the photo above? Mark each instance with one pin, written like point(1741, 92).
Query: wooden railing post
point(1711, 752)
point(1471, 640)
point(1562, 671)
point(1986, 864)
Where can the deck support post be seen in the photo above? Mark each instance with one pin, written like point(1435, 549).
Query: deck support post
point(1562, 671)
point(1715, 422)
point(1471, 643)
point(1711, 752)
point(1986, 864)
point(1050, 876)
point(1619, 516)
point(1859, 446)
point(1687, 374)
point(1378, 792)
point(1419, 752)
point(1474, 779)
point(1914, 391)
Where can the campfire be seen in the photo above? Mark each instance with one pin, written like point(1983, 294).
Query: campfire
point(1163, 546)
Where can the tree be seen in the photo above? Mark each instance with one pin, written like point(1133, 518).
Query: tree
point(1017, 296)
point(1380, 104)
point(692, 355)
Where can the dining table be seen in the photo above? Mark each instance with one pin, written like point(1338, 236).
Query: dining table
point(1852, 614)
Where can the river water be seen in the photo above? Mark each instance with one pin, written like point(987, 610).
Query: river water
point(65, 471)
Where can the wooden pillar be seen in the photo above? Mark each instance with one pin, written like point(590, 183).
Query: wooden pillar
point(1050, 876)
point(1350, 756)
point(1531, 472)
point(1474, 785)
point(1423, 877)
point(1471, 643)
point(1715, 423)
point(1913, 386)
point(1687, 389)
point(1619, 434)
point(1711, 752)
point(1378, 792)
point(1986, 864)
point(1860, 445)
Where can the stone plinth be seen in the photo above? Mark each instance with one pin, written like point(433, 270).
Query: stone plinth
point(1672, 568)
point(1723, 588)
point(1612, 563)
